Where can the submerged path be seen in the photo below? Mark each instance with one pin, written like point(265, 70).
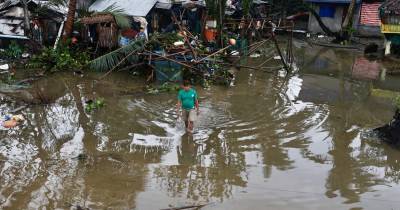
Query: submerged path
point(285, 143)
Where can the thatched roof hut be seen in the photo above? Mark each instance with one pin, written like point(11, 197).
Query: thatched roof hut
point(106, 27)
point(103, 18)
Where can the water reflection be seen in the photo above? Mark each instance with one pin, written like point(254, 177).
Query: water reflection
point(266, 136)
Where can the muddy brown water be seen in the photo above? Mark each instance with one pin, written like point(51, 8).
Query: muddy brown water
point(268, 142)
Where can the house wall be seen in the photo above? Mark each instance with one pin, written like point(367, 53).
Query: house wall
point(369, 31)
point(334, 24)
point(12, 26)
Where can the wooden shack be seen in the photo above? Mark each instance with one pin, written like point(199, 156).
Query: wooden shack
point(390, 27)
point(106, 29)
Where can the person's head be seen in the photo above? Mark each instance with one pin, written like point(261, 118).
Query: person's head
point(186, 85)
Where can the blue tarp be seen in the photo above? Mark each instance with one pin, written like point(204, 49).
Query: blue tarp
point(327, 11)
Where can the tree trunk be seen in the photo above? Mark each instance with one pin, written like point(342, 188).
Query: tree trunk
point(349, 17)
point(69, 24)
point(347, 23)
point(321, 23)
point(27, 25)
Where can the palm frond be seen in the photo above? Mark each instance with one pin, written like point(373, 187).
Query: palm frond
point(118, 57)
point(122, 19)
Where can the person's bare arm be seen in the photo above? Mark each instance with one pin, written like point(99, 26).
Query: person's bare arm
point(178, 107)
point(197, 106)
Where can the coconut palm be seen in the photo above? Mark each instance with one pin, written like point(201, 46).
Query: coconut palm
point(69, 24)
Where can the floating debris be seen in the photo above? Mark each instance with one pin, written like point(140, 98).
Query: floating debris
point(4, 67)
point(150, 143)
point(94, 104)
point(255, 55)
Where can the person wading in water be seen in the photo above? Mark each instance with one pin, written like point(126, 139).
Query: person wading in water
point(189, 102)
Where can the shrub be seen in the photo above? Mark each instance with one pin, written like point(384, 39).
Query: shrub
point(397, 102)
point(63, 58)
point(13, 51)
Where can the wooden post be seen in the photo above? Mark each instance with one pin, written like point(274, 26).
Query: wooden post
point(279, 51)
point(221, 7)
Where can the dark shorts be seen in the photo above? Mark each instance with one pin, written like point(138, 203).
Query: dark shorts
point(189, 115)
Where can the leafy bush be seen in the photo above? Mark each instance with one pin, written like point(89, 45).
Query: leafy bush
point(94, 104)
point(397, 102)
point(14, 50)
point(63, 58)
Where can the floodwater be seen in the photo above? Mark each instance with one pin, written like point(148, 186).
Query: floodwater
point(268, 142)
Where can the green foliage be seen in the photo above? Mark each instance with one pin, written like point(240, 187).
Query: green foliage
point(246, 4)
point(127, 53)
point(397, 102)
point(94, 104)
point(63, 58)
point(213, 8)
point(14, 50)
point(163, 41)
point(118, 57)
point(166, 87)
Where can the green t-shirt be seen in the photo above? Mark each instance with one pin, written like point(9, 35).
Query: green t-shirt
point(188, 98)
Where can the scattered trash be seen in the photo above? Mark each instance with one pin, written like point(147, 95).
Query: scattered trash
point(277, 57)
point(4, 67)
point(25, 55)
point(78, 73)
point(255, 55)
point(235, 53)
point(149, 143)
point(178, 43)
point(187, 207)
point(11, 121)
point(320, 36)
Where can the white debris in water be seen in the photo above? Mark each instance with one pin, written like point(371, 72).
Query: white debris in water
point(178, 43)
point(235, 53)
point(26, 55)
point(4, 67)
point(149, 143)
point(255, 55)
point(277, 57)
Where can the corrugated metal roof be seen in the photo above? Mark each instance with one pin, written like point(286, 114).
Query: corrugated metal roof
point(8, 3)
point(138, 8)
point(391, 7)
point(333, 1)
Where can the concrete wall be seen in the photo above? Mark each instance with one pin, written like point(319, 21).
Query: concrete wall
point(335, 24)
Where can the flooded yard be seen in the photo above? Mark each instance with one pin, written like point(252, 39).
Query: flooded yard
point(268, 142)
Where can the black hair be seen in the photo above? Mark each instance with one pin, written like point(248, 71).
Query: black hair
point(186, 83)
